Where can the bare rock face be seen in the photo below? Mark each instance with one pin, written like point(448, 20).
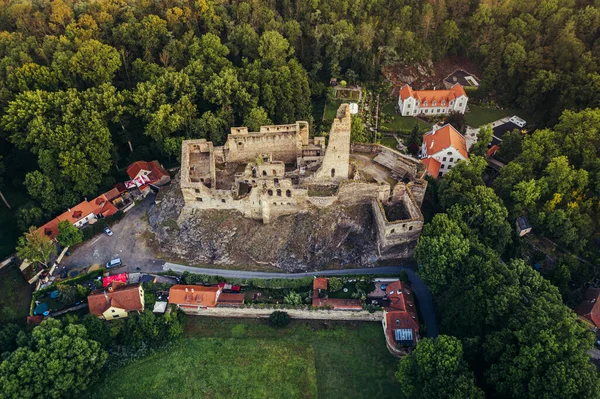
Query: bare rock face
point(306, 241)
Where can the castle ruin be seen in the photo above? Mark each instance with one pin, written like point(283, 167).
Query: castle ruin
point(280, 170)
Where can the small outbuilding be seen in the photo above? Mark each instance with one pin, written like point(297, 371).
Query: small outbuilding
point(523, 226)
point(160, 307)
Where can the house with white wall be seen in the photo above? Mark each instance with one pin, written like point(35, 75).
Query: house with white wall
point(442, 148)
point(432, 102)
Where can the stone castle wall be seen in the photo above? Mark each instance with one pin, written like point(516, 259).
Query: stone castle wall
point(336, 162)
point(265, 191)
point(284, 142)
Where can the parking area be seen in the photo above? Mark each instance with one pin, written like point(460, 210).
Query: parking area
point(127, 243)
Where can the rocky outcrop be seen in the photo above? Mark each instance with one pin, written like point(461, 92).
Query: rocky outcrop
point(311, 240)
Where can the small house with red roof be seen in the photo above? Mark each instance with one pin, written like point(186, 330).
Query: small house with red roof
point(432, 102)
point(442, 148)
point(589, 309)
point(116, 300)
point(195, 298)
point(143, 174)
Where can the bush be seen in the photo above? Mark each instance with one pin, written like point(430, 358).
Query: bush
point(279, 319)
point(335, 284)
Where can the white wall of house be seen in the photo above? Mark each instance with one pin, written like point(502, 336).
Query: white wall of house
point(448, 158)
point(412, 107)
point(82, 222)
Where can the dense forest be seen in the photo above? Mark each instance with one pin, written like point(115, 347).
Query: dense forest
point(86, 87)
point(83, 83)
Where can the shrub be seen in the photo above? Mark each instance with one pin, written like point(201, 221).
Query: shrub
point(293, 298)
point(404, 277)
point(335, 284)
point(279, 319)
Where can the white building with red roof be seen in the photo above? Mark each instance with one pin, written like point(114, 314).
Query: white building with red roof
point(432, 102)
point(442, 148)
point(143, 174)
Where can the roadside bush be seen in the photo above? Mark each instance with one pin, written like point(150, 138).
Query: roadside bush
point(279, 319)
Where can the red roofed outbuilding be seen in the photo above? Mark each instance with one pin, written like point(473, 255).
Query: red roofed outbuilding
point(400, 320)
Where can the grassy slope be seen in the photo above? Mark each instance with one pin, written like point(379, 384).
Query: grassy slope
point(230, 358)
point(16, 296)
point(403, 124)
point(478, 116)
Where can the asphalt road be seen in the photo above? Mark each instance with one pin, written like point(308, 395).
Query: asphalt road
point(425, 301)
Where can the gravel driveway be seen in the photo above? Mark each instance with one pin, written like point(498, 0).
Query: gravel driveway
point(126, 243)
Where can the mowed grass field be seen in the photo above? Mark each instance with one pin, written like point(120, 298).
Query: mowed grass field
point(233, 358)
point(479, 116)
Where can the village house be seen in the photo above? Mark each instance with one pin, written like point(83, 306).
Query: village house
point(432, 102)
point(116, 300)
point(442, 148)
point(83, 213)
point(195, 298)
point(145, 174)
point(589, 309)
point(400, 318)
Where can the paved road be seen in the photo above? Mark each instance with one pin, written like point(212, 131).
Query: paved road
point(419, 288)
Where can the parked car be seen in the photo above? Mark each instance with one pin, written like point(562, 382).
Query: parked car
point(114, 263)
point(108, 231)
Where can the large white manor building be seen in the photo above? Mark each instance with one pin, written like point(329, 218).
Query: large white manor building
point(432, 102)
point(442, 148)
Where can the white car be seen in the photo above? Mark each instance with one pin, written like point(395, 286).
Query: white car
point(108, 231)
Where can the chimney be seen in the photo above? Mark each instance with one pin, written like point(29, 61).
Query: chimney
point(186, 290)
point(192, 290)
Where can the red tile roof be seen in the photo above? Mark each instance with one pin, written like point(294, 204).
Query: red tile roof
point(432, 165)
point(427, 97)
point(320, 283)
point(590, 307)
point(493, 149)
point(73, 215)
point(401, 312)
point(195, 295)
point(443, 138)
point(156, 173)
point(125, 297)
point(401, 299)
point(112, 194)
point(230, 299)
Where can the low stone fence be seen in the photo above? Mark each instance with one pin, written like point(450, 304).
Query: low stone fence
point(346, 315)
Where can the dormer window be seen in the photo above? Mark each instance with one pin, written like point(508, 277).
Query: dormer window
point(433, 103)
point(425, 103)
point(443, 103)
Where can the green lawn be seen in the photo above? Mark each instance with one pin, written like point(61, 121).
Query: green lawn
point(233, 358)
point(389, 142)
point(479, 116)
point(403, 124)
point(16, 296)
